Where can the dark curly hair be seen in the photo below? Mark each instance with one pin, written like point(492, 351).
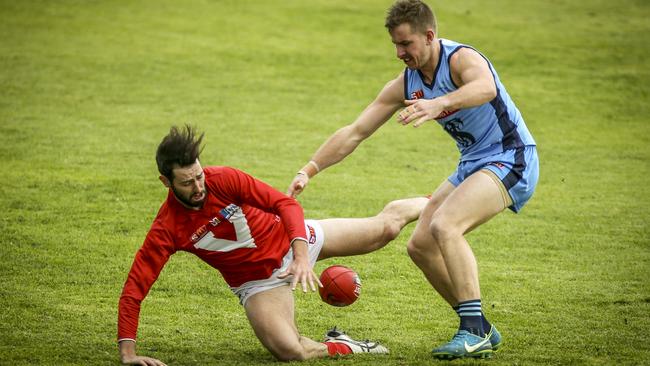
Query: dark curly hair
point(181, 147)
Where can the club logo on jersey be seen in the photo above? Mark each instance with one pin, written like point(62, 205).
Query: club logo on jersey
point(200, 232)
point(454, 128)
point(312, 235)
point(225, 238)
point(446, 114)
point(498, 165)
point(229, 210)
point(417, 94)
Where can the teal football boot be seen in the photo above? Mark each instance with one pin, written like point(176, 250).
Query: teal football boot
point(464, 344)
point(495, 338)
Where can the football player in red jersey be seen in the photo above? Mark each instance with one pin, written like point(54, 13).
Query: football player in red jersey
point(258, 239)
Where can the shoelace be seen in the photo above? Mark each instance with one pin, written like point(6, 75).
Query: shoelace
point(456, 337)
point(336, 333)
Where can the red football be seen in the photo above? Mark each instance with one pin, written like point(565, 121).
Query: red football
point(341, 286)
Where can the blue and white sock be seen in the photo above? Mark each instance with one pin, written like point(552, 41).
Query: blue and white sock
point(471, 317)
point(487, 326)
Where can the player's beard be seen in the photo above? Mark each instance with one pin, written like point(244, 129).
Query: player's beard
point(188, 200)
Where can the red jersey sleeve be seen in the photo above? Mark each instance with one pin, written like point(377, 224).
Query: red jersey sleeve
point(147, 265)
point(261, 195)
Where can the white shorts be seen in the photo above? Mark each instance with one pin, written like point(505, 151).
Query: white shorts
point(315, 240)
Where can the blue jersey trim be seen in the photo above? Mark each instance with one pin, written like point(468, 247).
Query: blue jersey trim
point(495, 125)
point(511, 138)
point(406, 83)
point(449, 62)
point(517, 171)
point(433, 82)
point(435, 72)
point(494, 77)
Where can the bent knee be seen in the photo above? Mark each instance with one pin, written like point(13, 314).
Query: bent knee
point(290, 354)
point(413, 250)
point(418, 249)
point(442, 230)
point(285, 348)
point(391, 208)
point(391, 229)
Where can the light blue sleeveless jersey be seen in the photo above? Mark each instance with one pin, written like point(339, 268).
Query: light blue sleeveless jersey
point(488, 129)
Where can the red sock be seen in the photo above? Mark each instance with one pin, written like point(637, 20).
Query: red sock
point(337, 348)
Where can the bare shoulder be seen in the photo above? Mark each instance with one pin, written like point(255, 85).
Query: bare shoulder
point(393, 91)
point(399, 80)
point(467, 64)
point(464, 57)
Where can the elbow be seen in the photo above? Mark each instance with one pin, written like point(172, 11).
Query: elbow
point(491, 92)
point(356, 134)
point(348, 137)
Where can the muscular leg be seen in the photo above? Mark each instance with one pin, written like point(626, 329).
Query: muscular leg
point(271, 314)
point(472, 203)
point(345, 237)
point(424, 250)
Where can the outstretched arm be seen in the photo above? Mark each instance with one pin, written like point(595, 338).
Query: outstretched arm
point(344, 141)
point(147, 265)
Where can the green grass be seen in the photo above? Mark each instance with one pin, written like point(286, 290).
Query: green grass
point(88, 89)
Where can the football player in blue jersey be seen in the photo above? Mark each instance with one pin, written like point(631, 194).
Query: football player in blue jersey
point(458, 87)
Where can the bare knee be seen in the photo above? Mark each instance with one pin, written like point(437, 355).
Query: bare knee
point(305, 349)
point(392, 208)
point(284, 348)
point(292, 357)
point(442, 230)
point(391, 228)
point(396, 214)
point(417, 250)
point(413, 251)
point(289, 354)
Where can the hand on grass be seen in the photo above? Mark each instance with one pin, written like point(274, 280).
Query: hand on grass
point(128, 355)
point(143, 361)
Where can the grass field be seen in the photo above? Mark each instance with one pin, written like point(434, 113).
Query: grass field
point(88, 89)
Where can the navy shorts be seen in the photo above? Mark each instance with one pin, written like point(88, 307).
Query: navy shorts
point(517, 169)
